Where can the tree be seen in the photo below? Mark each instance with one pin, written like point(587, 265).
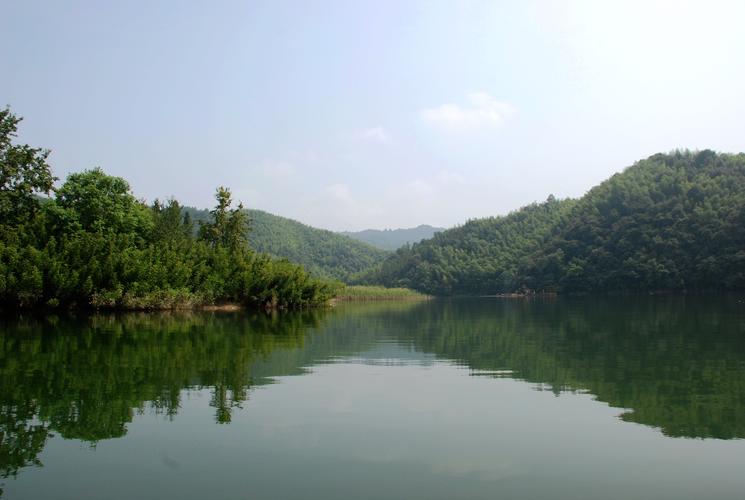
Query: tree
point(169, 227)
point(102, 203)
point(24, 171)
point(228, 228)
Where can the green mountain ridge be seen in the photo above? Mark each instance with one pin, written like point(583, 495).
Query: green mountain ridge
point(321, 252)
point(672, 221)
point(480, 257)
point(393, 239)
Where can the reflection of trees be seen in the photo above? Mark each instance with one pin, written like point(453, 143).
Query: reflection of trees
point(21, 441)
point(677, 363)
point(85, 379)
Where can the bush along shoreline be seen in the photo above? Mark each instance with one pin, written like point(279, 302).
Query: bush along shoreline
point(90, 244)
point(362, 293)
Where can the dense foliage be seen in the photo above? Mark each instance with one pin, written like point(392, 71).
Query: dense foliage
point(95, 244)
point(480, 257)
point(672, 221)
point(393, 239)
point(323, 253)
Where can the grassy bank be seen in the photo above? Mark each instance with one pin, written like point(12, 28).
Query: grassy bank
point(370, 293)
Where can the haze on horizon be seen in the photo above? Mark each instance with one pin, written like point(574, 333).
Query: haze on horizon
point(353, 115)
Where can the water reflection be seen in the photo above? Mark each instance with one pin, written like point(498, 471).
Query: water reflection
point(86, 378)
point(676, 363)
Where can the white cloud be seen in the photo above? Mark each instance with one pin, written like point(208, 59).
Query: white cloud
point(482, 111)
point(376, 134)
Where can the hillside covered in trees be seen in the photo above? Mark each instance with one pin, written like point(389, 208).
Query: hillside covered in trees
point(480, 257)
point(393, 239)
point(322, 253)
point(93, 244)
point(672, 221)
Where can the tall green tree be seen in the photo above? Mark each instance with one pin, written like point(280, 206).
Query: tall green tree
point(228, 227)
point(169, 225)
point(24, 171)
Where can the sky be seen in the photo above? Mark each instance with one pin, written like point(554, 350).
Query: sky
point(349, 115)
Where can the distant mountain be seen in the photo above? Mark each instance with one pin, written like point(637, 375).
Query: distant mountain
point(393, 239)
point(672, 221)
point(323, 253)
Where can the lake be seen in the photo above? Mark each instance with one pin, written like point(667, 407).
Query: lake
point(564, 398)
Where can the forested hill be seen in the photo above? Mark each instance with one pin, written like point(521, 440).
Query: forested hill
point(480, 257)
point(672, 221)
point(393, 239)
point(323, 253)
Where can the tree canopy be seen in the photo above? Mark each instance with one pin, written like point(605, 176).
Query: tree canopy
point(103, 203)
point(24, 171)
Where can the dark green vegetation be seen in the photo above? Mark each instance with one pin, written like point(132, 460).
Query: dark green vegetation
point(95, 245)
point(393, 239)
point(323, 253)
point(673, 221)
point(483, 256)
point(674, 363)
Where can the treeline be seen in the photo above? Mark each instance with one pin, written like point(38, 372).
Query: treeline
point(93, 244)
point(673, 221)
point(322, 253)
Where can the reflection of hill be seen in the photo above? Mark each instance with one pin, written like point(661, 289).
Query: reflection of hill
point(677, 363)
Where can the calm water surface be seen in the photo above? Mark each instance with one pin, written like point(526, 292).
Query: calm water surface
point(483, 398)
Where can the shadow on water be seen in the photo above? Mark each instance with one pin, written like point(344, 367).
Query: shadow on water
point(675, 363)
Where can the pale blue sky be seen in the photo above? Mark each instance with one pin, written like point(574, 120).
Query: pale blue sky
point(349, 115)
